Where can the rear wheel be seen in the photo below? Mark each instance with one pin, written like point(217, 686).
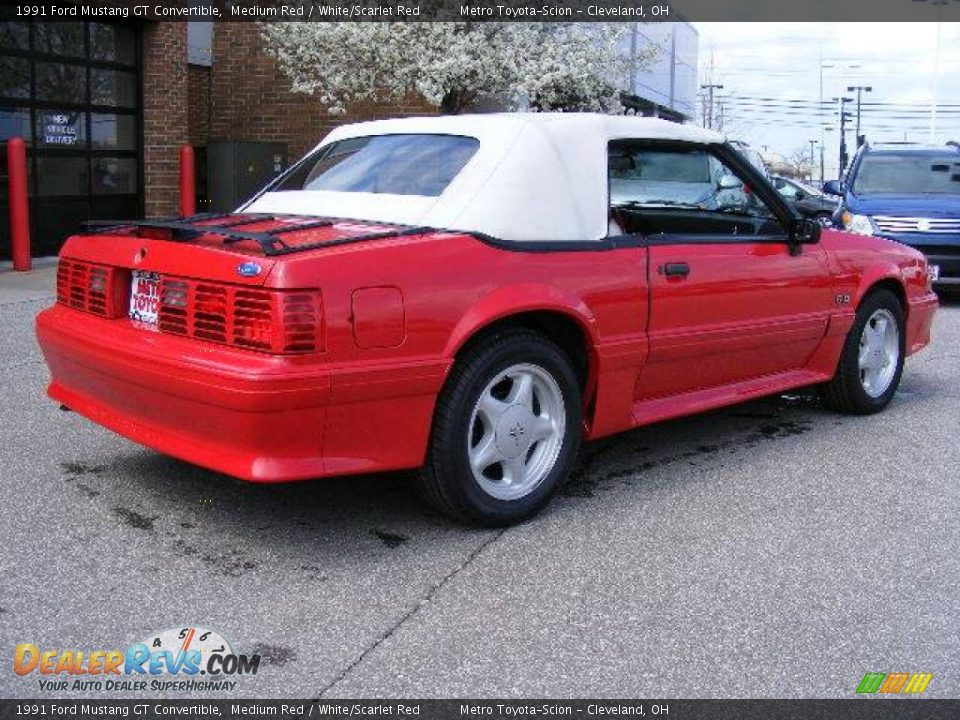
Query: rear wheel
point(506, 430)
point(871, 363)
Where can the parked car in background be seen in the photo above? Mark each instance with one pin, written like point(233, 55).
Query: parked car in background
point(445, 293)
point(908, 193)
point(807, 200)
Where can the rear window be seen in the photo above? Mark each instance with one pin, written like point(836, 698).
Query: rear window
point(908, 174)
point(389, 164)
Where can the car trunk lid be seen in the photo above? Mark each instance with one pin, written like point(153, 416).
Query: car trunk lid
point(259, 234)
point(206, 277)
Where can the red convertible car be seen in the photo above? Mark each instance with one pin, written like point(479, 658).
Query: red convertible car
point(473, 296)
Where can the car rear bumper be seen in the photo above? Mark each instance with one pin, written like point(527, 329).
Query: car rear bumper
point(257, 417)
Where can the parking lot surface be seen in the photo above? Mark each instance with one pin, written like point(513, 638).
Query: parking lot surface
point(774, 549)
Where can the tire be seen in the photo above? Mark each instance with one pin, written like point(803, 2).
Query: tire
point(869, 370)
point(497, 452)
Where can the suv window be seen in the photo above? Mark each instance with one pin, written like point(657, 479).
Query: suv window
point(908, 174)
point(390, 164)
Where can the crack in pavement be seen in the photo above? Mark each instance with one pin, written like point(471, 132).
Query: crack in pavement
point(392, 630)
point(45, 298)
point(24, 364)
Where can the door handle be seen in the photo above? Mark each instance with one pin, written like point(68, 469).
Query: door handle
point(675, 269)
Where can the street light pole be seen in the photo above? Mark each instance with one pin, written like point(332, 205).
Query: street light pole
point(823, 157)
point(813, 162)
point(822, 179)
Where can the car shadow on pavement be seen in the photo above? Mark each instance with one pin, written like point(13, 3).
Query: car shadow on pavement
point(149, 492)
point(236, 527)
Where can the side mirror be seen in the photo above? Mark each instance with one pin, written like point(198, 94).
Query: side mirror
point(800, 195)
point(833, 187)
point(729, 182)
point(804, 231)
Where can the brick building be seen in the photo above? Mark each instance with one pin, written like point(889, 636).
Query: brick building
point(105, 108)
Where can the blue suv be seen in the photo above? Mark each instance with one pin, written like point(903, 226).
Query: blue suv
point(910, 194)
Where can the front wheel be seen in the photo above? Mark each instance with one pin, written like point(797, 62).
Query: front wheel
point(506, 430)
point(871, 362)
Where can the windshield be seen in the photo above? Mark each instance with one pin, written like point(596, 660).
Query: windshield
point(790, 188)
point(390, 164)
point(808, 189)
point(909, 174)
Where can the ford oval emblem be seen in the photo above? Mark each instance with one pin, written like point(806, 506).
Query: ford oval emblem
point(249, 269)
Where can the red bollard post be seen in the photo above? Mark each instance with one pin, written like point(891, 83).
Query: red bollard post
point(19, 209)
point(188, 182)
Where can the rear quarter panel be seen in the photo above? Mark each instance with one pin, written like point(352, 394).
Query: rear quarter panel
point(453, 285)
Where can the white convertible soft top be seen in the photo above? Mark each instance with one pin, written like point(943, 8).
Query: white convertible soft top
point(535, 176)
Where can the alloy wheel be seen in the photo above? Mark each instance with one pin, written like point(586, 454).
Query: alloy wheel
point(879, 352)
point(516, 431)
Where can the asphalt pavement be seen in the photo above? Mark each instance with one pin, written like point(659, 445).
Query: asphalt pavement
point(773, 549)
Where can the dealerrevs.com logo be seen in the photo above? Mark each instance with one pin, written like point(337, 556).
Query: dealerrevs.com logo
point(180, 659)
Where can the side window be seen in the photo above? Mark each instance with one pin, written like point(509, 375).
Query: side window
point(656, 189)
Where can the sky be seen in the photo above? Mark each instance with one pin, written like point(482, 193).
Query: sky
point(771, 73)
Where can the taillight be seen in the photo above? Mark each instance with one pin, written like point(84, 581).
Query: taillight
point(254, 317)
point(96, 289)
point(273, 321)
point(301, 320)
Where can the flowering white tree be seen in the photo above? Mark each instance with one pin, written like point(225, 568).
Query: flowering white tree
point(547, 66)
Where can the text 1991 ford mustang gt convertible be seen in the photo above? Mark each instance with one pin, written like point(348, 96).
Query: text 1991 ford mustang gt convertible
point(474, 295)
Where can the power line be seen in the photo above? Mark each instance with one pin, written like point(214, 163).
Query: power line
point(803, 101)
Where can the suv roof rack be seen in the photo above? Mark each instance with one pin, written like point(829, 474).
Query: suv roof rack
point(269, 240)
point(893, 144)
point(907, 145)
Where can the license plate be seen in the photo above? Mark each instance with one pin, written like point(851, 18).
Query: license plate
point(144, 296)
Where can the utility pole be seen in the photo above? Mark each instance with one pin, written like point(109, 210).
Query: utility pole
point(844, 116)
point(842, 67)
point(860, 90)
point(813, 144)
point(939, 4)
point(823, 163)
point(710, 87)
